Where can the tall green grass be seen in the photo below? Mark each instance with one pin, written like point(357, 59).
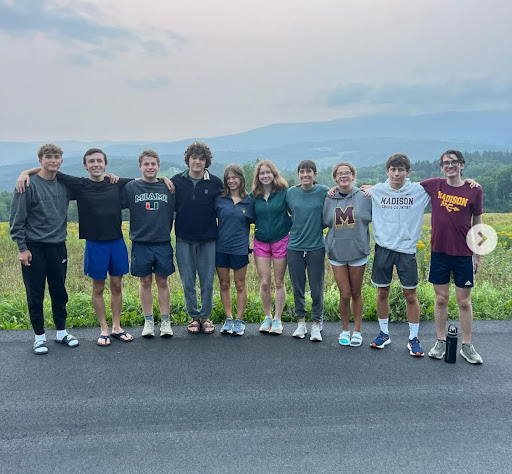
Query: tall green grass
point(492, 295)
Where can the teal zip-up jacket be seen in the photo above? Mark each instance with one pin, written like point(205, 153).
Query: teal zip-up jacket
point(272, 219)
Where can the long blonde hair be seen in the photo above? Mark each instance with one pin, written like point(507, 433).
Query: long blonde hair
point(278, 184)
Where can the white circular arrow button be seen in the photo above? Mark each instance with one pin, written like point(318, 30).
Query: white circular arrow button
point(482, 239)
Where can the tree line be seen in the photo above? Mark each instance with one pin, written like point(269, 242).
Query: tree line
point(492, 169)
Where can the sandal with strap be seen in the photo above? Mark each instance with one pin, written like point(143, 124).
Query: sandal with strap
point(40, 348)
point(207, 326)
point(193, 326)
point(356, 340)
point(68, 340)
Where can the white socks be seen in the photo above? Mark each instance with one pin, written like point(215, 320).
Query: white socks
point(413, 330)
point(383, 323)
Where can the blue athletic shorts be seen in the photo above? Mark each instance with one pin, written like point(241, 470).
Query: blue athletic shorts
point(105, 256)
point(443, 265)
point(152, 258)
point(227, 260)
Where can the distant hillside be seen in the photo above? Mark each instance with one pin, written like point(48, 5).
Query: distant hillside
point(365, 141)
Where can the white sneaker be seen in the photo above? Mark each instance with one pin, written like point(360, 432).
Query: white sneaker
point(301, 331)
point(149, 329)
point(316, 335)
point(166, 329)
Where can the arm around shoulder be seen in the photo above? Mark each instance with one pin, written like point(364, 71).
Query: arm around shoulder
point(23, 180)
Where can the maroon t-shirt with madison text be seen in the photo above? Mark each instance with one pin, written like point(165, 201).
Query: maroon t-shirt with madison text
point(453, 209)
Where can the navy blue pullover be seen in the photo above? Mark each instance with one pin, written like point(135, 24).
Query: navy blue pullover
point(196, 218)
point(234, 225)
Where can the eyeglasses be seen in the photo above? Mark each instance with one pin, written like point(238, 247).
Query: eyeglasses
point(343, 173)
point(451, 163)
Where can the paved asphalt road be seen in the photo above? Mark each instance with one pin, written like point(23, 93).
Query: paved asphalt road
point(258, 403)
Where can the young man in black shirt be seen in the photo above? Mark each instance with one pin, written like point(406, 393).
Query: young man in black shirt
point(99, 214)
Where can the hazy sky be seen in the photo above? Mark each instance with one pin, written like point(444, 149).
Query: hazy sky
point(168, 70)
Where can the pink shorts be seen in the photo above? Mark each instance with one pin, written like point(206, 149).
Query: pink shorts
point(276, 250)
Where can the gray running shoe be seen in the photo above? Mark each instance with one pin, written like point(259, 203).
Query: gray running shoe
point(166, 329)
point(238, 327)
point(469, 353)
point(437, 352)
point(149, 328)
point(227, 327)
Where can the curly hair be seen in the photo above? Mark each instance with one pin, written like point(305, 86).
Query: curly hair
point(278, 184)
point(350, 166)
point(398, 159)
point(91, 151)
point(239, 173)
point(199, 149)
point(49, 149)
point(149, 154)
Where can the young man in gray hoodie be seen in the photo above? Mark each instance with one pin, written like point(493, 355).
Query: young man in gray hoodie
point(397, 213)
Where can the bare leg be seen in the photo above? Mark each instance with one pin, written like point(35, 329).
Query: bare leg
point(412, 306)
point(356, 283)
point(465, 312)
point(145, 294)
point(116, 304)
point(164, 297)
point(280, 296)
point(225, 291)
point(441, 309)
point(383, 302)
point(341, 275)
point(263, 268)
point(98, 303)
point(241, 291)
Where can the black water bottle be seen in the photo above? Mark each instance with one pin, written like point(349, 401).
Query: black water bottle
point(450, 355)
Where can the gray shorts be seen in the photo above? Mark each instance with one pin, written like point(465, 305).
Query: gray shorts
point(151, 258)
point(383, 262)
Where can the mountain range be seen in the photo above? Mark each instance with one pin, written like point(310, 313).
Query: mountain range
point(364, 141)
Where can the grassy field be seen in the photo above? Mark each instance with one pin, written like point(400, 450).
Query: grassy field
point(492, 295)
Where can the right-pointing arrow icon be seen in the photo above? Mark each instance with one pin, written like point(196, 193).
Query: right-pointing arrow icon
point(482, 239)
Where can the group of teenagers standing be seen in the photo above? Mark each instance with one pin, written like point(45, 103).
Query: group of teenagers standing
point(212, 219)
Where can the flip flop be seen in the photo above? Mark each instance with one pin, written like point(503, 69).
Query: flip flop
point(107, 341)
point(68, 340)
point(119, 336)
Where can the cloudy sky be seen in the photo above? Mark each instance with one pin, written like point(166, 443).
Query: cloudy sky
point(169, 70)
